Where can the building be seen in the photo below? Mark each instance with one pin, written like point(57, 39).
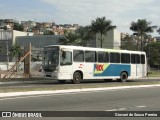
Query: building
point(38, 42)
point(7, 40)
point(157, 39)
point(28, 24)
point(112, 40)
point(8, 23)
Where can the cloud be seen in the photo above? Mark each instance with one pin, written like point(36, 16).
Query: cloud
point(85, 10)
point(122, 13)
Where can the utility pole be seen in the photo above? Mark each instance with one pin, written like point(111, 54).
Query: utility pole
point(27, 61)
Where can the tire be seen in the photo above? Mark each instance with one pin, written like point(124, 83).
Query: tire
point(77, 78)
point(123, 77)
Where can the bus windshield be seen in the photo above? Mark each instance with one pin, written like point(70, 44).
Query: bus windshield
point(51, 58)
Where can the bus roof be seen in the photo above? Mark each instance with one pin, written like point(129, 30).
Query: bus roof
point(71, 47)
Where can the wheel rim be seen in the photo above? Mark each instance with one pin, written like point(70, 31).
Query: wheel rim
point(77, 77)
point(123, 76)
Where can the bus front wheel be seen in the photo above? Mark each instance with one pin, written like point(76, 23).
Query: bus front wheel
point(77, 78)
point(123, 77)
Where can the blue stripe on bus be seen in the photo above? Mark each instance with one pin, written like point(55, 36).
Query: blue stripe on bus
point(112, 70)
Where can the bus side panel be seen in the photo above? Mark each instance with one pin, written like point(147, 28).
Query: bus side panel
point(85, 68)
point(111, 70)
point(133, 71)
point(88, 71)
point(65, 72)
point(139, 70)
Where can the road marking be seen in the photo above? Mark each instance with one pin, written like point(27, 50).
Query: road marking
point(123, 109)
point(112, 110)
point(31, 96)
point(141, 106)
point(119, 109)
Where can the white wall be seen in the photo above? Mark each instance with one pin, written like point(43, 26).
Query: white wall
point(112, 40)
point(34, 65)
point(18, 33)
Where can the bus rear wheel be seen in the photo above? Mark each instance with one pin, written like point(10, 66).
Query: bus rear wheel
point(77, 78)
point(123, 77)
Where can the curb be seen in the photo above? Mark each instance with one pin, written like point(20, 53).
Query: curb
point(26, 82)
point(34, 80)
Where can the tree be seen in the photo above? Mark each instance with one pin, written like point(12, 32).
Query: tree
point(102, 26)
point(153, 50)
point(84, 34)
point(16, 51)
point(128, 43)
point(158, 30)
point(69, 39)
point(18, 27)
point(80, 37)
point(48, 32)
point(141, 28)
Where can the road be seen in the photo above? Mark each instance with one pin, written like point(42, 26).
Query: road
point(139, 99)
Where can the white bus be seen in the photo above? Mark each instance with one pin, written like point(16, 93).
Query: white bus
point(76, 63)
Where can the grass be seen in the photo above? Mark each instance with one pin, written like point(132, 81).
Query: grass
point(48, 87)
point(154, 73)
point(74, 86)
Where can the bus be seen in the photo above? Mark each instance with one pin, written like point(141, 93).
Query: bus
point(77, 63)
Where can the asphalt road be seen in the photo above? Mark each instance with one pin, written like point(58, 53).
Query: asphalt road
point(139, 99)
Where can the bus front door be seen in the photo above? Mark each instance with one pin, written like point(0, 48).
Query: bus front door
point(66, 65)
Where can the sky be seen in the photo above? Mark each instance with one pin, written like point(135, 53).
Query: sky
point(82, 12)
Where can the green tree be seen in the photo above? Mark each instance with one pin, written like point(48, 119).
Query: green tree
point(128, 43)
point(18, 27)
point(16, 51)
point(153, 50)
point(48, 32)
point(141, 28)
point(102, 26)
point(80, 37)
point(158, 30)
point(84, 34)
point(69, 39)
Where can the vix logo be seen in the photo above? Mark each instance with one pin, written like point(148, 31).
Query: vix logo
point(99, 67)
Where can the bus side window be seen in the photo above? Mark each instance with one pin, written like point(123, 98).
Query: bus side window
point(135, 58)
point(115, 57)
point(90, 56)
point(142, 59)
point(78, 56)
point(125, 58)
point(103, 57)
point(66, 58)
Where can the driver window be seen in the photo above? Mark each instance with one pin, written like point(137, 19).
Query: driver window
point(66, 58)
